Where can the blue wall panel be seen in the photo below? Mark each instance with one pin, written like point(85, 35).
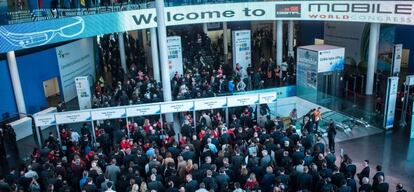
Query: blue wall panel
point(34, 69)
point(7, 101)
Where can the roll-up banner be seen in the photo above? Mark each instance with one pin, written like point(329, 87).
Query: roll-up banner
point(242, 100)
point(73, 117)
point(396, 59)
point(390, 102)
point(265, 98)
point(241, 50)
point(110, 113)
point(75, 59)
point(83, 90)
point(142, 110)
point(210, 103)
point(177, 106)
point(45, 120)
point(175, 56)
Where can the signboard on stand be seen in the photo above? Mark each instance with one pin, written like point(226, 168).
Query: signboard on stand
point(142, 110)
point(242, 50)
point(75, 59)
point(175, 57)
point(242, 100)
point(265, 98)
point(178, 106)
point(110, 113)
point(210, 103)
point(396, 59)
point(73, 117)
point(83, 90)
point(45, 120)
point(391, 99)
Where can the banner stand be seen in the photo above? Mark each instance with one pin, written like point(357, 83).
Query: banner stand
point(93, 132)
point(58, 134)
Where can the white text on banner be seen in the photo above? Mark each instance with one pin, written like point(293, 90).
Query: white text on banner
point(267, 97)
point(241, 100)
point(73, 117)
point(45, 120)
point(210, 103)
point(109, 114)
point(143, 110)
point(178, 106)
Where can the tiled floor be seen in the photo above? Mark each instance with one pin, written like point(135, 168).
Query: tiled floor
point(393, 150)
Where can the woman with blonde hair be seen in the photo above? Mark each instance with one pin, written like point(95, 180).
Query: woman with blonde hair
point(189, 167)
point(251, 183)
point(135, 188)
point(143, 187)
point(147, 126)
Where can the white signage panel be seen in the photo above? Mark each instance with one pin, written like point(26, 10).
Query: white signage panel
point(45, 120)
point(73, 117)
point(390, 102)
point(143, 110)
point(396, 58)
point(267, 97)
point(178, 106)
point(242, 100)
point(210, 103)
point(108, 114)
point(331, 60)
point(175, 57)
point(241, 50)
point(74, 60)
point(83, 90)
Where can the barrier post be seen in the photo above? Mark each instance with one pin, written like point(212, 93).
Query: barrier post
point(93, 133)
point(58, 134)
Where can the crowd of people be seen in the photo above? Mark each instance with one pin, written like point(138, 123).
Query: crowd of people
point(147, 155)
point(205, 72)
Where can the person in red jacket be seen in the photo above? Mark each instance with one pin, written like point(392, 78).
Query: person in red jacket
point(125, 144)
point(251, 182)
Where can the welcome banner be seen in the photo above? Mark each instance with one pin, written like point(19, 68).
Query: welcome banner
point(26, 35)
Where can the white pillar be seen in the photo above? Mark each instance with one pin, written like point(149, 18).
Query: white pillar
point(154, 55)
point(122, 51)
point(205, 29)
point(225, 42)
point(291, 33)
point(279, 42)
point(17, 86)
point(162, 42)
point(372, 56)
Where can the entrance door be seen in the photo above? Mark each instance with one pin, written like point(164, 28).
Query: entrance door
point(51, 91)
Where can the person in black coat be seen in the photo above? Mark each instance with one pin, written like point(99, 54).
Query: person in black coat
point(191, 185)
point(305, 180)
point(331, 136)
point(382, 186)
point(364, 172)
point(375, 179)
point(365, 187)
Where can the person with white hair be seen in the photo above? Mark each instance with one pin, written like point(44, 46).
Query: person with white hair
point(365, 187)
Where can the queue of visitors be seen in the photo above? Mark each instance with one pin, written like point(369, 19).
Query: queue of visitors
point(144, 155)
point(205, 73)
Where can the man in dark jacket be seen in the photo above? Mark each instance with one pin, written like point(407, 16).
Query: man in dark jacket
point(382, 185)
point(375, 179)
point(364, 172)
point(268, 179)
point(191, 185)
point(305, 180)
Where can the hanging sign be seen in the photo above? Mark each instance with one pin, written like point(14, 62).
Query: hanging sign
point(143, 110)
